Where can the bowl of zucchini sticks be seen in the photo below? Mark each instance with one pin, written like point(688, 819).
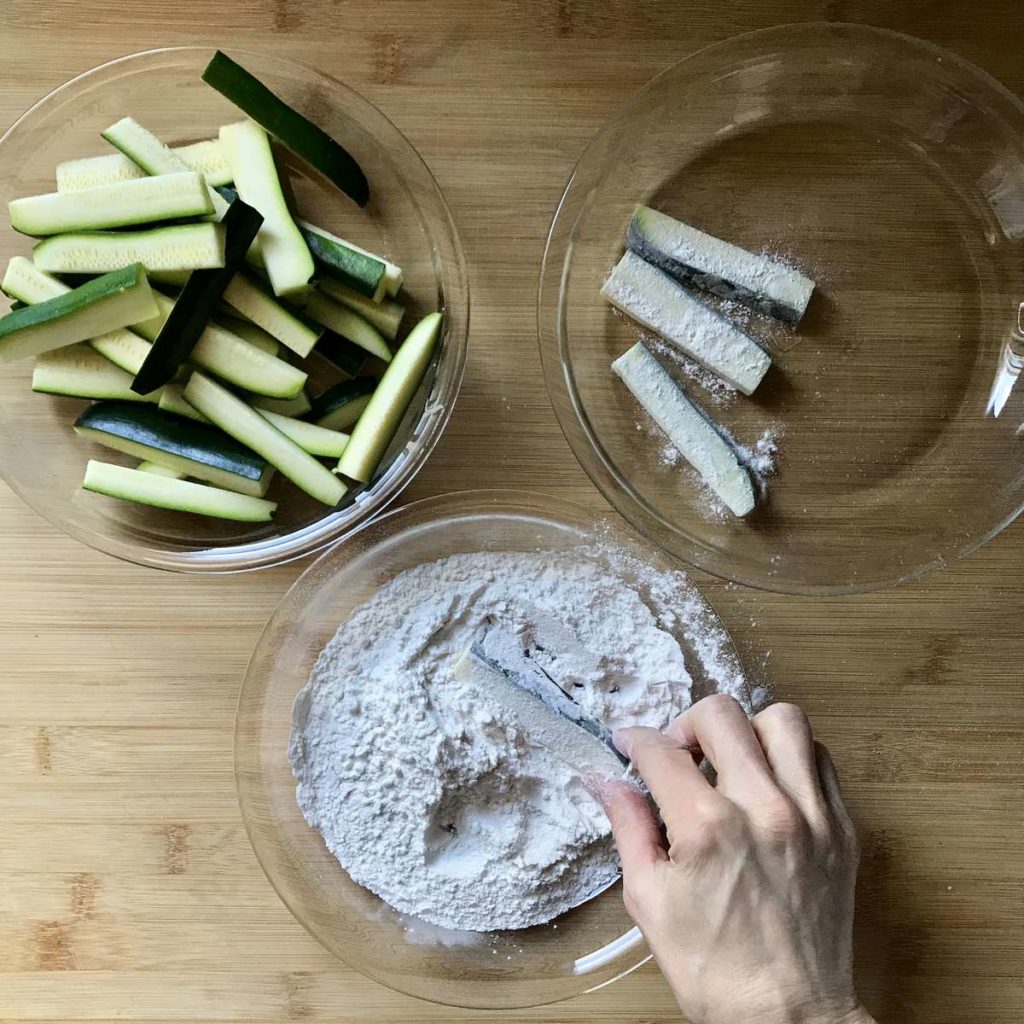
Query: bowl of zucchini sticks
point(781, 309)
point(235, 309)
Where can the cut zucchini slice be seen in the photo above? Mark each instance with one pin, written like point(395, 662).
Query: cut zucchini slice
point(390, 280)
point(122, 347)
point(172, 400)
point(341, 405)
point(248, 331)
point(703, 261)
point(79, 371)
point(105, 304)
point(299, 134)
point(282, 247)
point(180, 495)
point(687, 428)
point(348, 324)
point(656, 301)
point(141, 145)
point(173, 279)
point(152, 467)
point(249, 427)
point(379, 421)
point(385, 315)
point(300, 405)
point(308, 436)
point(193, 308)
point(196, 449)
point(179, 247)
point(360, 271)
point(124, 204)
point(257, 305)
point(206, 157)
point(233, 359)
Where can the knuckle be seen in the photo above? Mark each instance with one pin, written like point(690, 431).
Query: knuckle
point(634, 899)
point(781, 819)
point(722, 704)
point(787, 716)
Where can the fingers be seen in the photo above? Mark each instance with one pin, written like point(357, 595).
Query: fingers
point(788, 744)
point(636, 832)
point(671, 774)
point(719, 727)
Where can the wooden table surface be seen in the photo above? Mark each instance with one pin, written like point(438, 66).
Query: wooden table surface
point(128, 889)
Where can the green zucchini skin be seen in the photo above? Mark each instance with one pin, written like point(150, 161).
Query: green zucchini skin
point(299, 134)
point(346, 355)
point(197, 302)
point(362, 273)
point(156, 429)
point(334, 407)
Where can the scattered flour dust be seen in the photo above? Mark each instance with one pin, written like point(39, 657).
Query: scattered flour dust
point(422, 785)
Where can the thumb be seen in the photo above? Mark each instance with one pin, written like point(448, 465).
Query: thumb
point(636, 831)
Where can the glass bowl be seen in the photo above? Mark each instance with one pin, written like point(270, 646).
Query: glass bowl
point(580, 951)
point(407, 219)
point(890, 171)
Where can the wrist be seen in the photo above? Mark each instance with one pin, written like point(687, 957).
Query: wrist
point(855, 1015)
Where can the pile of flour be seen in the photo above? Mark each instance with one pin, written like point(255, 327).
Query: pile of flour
point(423, 787)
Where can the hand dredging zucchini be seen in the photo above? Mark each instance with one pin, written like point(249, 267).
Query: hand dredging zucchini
point(687, 428)
point(231, 358)
point(106, 304)
point(341, 405)
point(654, 299)
point(255, 303)
point(385, 315)
point(179, 495)
point(179, 247)
point(145, 149)
point(308, 436)
point(79, 371)
point(127, 203)
point(296, 132)
point(335, 254)
point(123, 347)
point(193, 308)
point(282, 247)
point(348, 324)
point(704, 261)
point(206, 157)
point(247, 426)
point(377, 425)
point(195, 449)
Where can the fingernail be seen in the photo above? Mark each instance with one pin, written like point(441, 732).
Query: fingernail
point(597, 785)
point(623, 742)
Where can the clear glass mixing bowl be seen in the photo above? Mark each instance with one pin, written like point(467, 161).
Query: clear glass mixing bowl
point(893, 173)
point(580, 951)
point(407, 218)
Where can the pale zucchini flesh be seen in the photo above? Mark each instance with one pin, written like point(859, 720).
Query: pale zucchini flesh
point(376, 427)
point(658, 302)
point(79, 371)
point(97, 307)
point(348, 324)
point(308, 436)
point(179, 247)
point(297, 406)
point(145, 149)
point(385, 315)
point(263, 309)
point(687, 428)
point(152, 467)
point(172, 399)
point(206, 157)
point(124, 204)
point(247, 426)
point(284, 251)
point(175, 494)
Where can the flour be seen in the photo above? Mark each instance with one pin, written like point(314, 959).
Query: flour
point(424, 788)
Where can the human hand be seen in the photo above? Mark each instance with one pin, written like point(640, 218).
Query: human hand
point(748, 906)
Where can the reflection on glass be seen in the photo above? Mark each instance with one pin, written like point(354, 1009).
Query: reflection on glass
point(1010, 365)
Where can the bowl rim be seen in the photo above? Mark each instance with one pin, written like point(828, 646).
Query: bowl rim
point(606, 477)
point(452, 505)
point(312, 537)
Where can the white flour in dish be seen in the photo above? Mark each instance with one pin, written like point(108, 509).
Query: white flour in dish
point(425, 790)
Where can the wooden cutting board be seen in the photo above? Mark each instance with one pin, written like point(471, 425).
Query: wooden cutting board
point(127, 886)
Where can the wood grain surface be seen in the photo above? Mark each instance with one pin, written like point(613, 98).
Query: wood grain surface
point(128, 889)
